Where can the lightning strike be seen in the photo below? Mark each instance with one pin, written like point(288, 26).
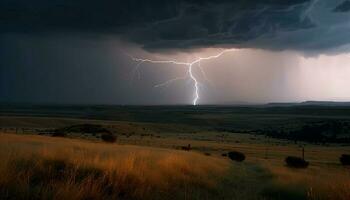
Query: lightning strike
point(189, 66)
point(169, 81)
point(196, 95)
point(203, 73)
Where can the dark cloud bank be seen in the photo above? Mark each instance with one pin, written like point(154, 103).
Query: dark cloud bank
point(182, 24)
point(69, 51)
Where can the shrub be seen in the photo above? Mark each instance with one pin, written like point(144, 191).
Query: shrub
point(58, 133)
point(236, 156)
point(186, 148)
point(345, 159)
point(296, 162)
point(109, 138)
point(224, 154)
point(84, 128)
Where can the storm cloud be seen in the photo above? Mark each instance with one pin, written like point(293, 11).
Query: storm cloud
point(305, 25)
point(75, 51)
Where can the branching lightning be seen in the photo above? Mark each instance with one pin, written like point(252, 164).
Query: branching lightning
point(189, 65)
point(170, 81)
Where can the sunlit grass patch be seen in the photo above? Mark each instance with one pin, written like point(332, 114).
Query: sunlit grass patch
point(36, 167)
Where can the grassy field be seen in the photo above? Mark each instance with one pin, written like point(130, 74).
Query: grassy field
point(147, 162)
point(38, 167)
point(44, 167)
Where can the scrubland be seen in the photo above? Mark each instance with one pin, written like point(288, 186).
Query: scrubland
point(147, 162)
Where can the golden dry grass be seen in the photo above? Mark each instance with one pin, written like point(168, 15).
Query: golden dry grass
point(318, 181)
point(97, 170)
point(37, 167)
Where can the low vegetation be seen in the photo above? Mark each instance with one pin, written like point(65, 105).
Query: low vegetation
point(345, 159)
point(84, 128)
point(296, 162)
point(38, 167)
point(58, 133)
point(236, 156)
point(327, 131)
point(109, 138)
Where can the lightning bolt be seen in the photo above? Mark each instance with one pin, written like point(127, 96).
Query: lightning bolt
point(170, 81)
point(189, 65)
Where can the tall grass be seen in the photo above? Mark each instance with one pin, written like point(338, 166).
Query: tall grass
point(318, 182)
point(36, 167)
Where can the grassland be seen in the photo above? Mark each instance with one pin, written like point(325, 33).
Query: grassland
point(41, 167)
point(38, 167)
point(146, 162)
point(206, 117)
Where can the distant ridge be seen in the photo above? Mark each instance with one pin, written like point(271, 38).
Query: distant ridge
point(312, 103)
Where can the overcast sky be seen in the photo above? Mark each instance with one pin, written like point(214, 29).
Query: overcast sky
point(81, 51)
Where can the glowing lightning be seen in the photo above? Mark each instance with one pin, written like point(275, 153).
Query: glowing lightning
point(196, 95)
point(169, 81)
point(189, 65)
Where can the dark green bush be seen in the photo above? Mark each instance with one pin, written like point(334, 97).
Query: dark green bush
point(296, 162)
point(236, 156)
point(345, 159)
point(84, 128)
point(109, 138)
point(58, 133)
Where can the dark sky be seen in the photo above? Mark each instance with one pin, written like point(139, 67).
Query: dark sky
point(77, 51)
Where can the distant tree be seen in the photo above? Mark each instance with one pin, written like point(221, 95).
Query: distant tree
point(315, 132)
point(296, 162)
point(236, 156)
